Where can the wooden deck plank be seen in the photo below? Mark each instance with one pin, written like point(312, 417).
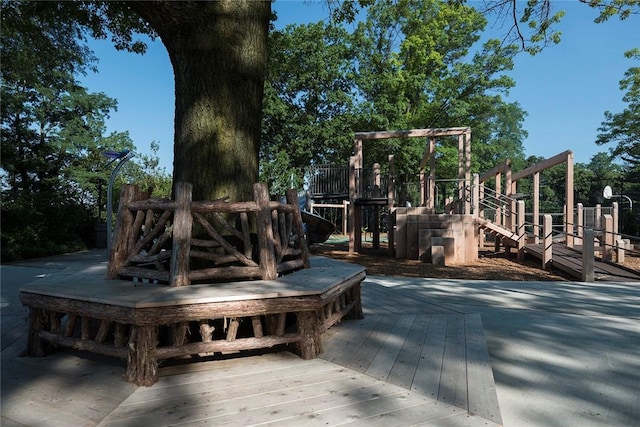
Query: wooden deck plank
point(349, 337)
point(570, 261)
point(481, 385)
point(361, 358)
point(322, 388)
point(404, 369)
point(411, 300)
point(386, 357)
point(13, 326)
point(453, 380)
point(226, 398)
point(201, 392)
point(429, 369)
point(426, 415)
point(84, 390)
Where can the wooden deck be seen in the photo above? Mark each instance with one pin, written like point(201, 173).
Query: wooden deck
point(570, 261)
point(408, 362)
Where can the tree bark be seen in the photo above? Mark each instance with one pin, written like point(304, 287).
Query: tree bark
point(218, 51)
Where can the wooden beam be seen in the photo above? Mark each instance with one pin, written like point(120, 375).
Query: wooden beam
point(545, 164)
point(496, 170)
point(412, 133)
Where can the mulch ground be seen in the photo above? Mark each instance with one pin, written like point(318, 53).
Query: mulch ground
point(489, 266)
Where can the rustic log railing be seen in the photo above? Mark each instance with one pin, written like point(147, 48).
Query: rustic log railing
point(179, 242)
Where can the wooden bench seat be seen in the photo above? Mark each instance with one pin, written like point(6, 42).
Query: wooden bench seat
point(146, 323)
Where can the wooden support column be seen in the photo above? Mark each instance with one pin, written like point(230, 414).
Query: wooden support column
point(182, 224)
point(588, 257)
point(467, 169)
point(569, 221)
point(476, 195)
point(423, 188)
point(431, 201)
point(499, 209)
point(124, 224)
point(579, 223)
point(615, 212)
point(142, 366)
point(345, 217)
point(391, 191)
point(310, 343)
point(292, 199)
point(547, 241)
point(38, 321)
point(522, 234)
point(354, 223)
point(536, 208)
point(266, 242)
point(461, 171)
point(607, 244)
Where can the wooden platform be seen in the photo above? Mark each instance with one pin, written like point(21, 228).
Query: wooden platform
point(146, 323)
point(427, 367)
point(408, 362)
point(570, 261)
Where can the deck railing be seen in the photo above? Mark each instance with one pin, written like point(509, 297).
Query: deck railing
point(181, 241)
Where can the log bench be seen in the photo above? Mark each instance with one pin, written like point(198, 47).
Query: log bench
point(146, 323)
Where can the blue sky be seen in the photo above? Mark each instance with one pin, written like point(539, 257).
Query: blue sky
point(565, 89)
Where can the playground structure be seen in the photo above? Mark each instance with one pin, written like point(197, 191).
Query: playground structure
point(453, 234)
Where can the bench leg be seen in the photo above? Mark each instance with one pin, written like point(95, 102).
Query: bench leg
point(355, 297)
point(309, 329)
point(142, 365)
point(39, 320)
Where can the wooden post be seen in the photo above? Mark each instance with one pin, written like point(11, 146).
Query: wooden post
point(620, 246)
point(345, 217)
point(352, 212)
point(431, 201)
point(476, 195)
point(142, 366)
point(588, 259)
point(607, 245)
point(498, 216)
point(522, 234)
point(460, 167)
point(547, 241)
point(391, 187)
point(308, 327)
point(292, 199)
point(569, 199)
point(467, 168)
point(423, 185)
point(579, 223)
point(124, 223)
point(615, 211)
point(182, 225)
point(536, 207)
point(266, 245)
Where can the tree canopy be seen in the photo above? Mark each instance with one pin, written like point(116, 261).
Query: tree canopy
point(53, 134)
point(408, 64)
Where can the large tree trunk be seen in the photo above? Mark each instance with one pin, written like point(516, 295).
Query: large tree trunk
point(218, 50)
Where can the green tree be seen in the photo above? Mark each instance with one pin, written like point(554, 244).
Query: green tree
point(52, 134)
point(308, 103)
point(623, 128)
point(414, 70)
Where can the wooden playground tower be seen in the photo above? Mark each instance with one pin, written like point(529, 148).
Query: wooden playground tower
point(416, 232)
point(359, 198)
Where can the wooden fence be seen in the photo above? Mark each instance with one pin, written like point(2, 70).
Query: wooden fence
point(181, 241)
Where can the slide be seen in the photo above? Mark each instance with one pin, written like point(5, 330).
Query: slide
point(317, 228)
